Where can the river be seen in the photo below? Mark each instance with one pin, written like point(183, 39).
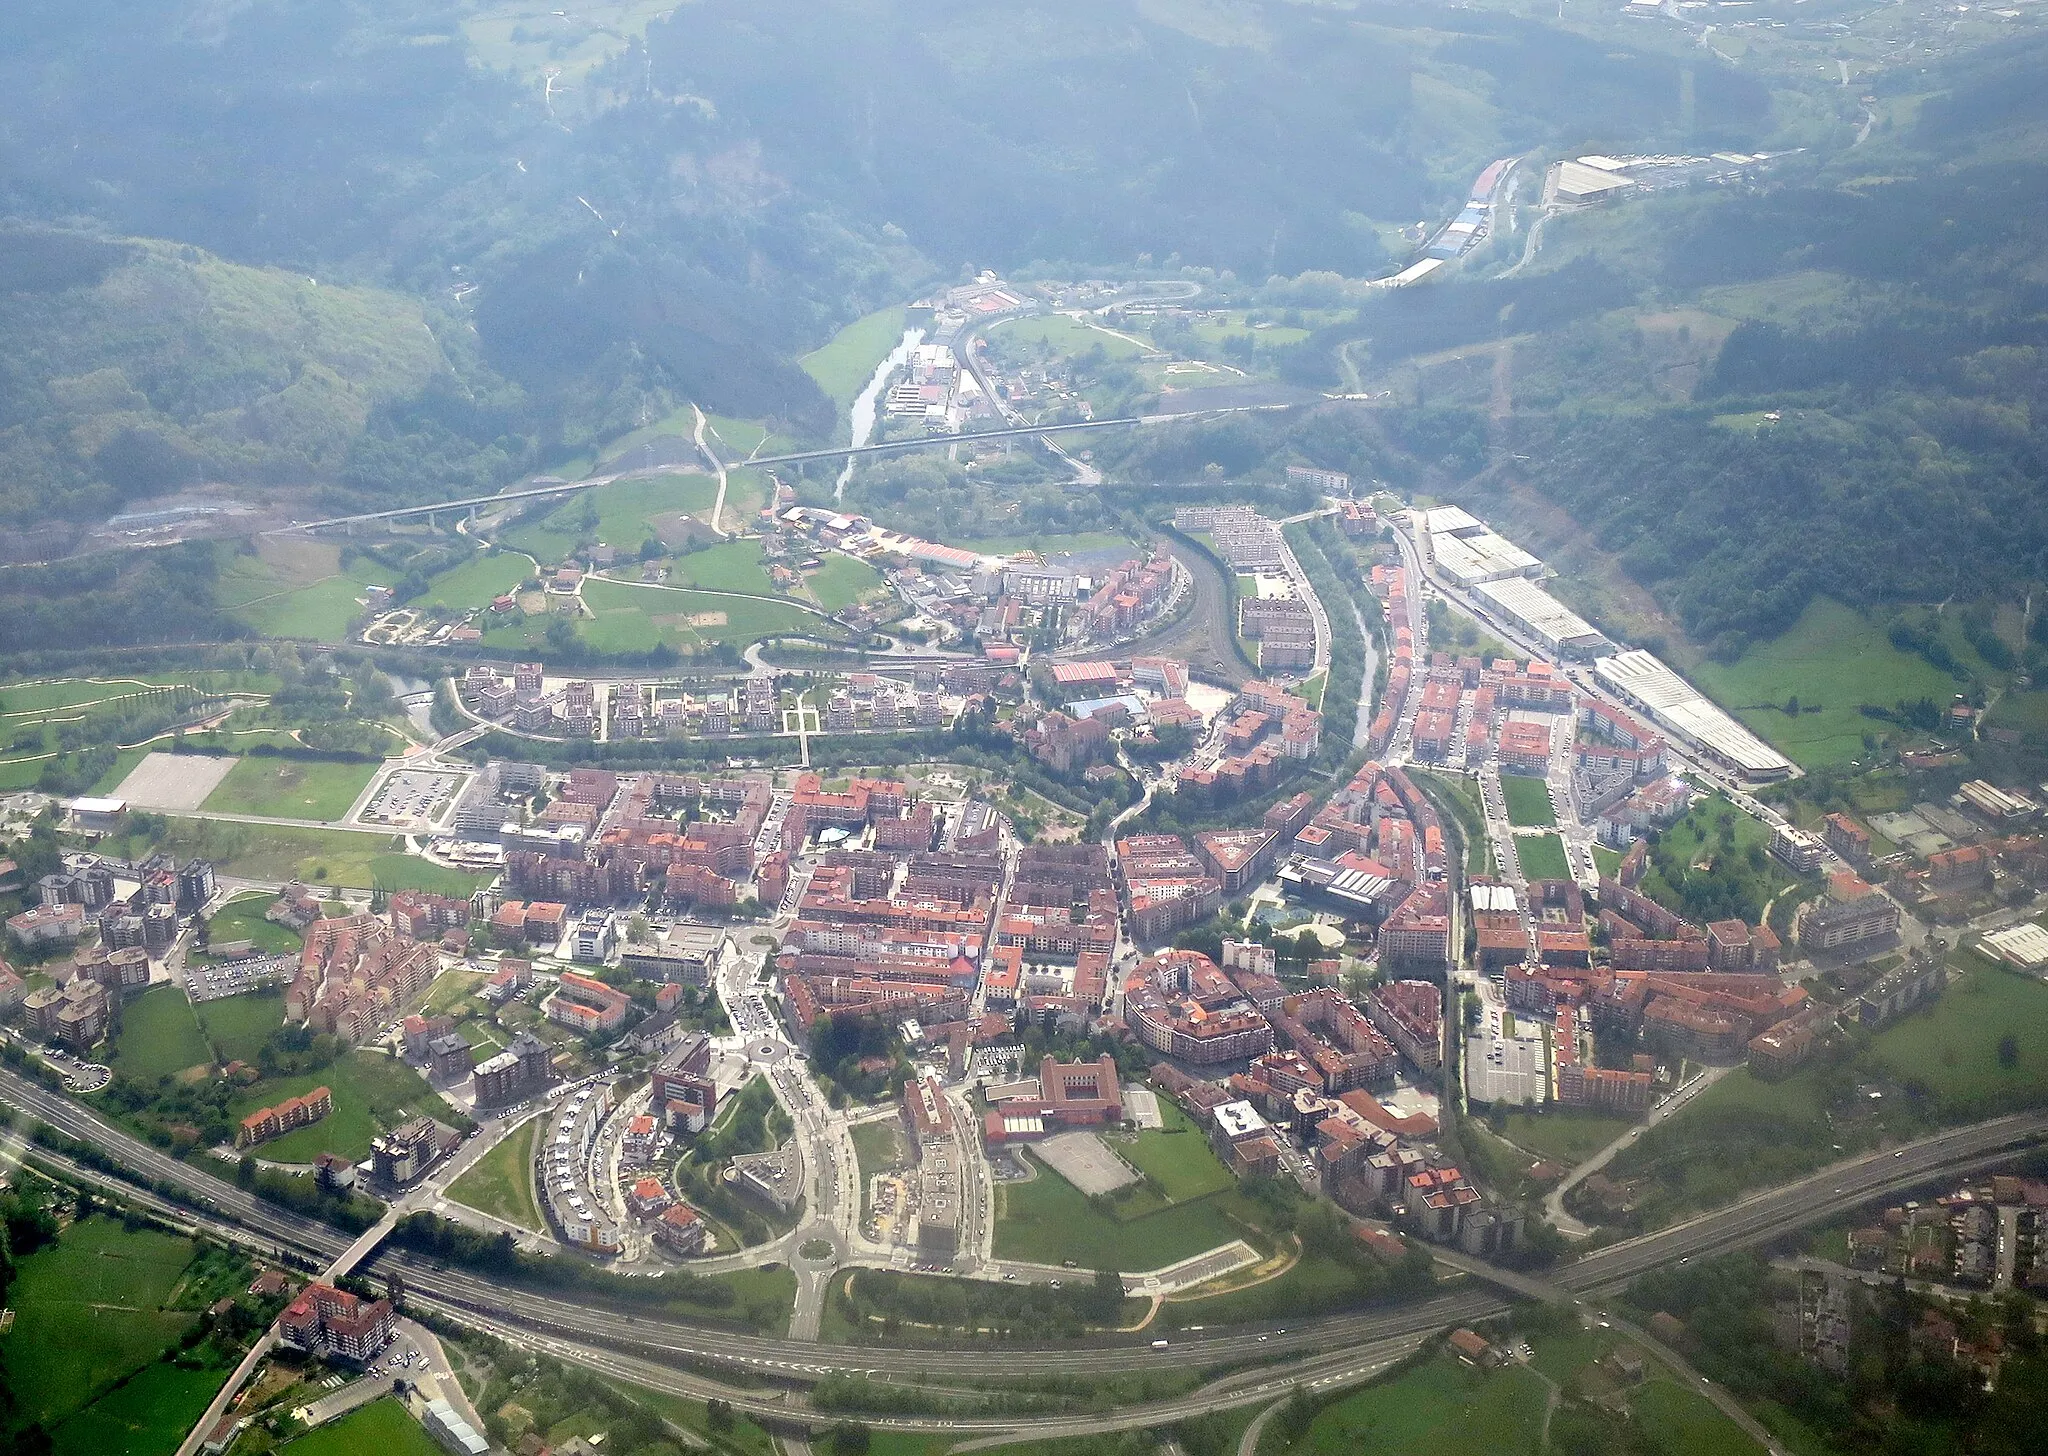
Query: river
point(864, 410)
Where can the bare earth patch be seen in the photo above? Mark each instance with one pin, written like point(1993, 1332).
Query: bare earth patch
point(174, 780)
point(1085, 1161)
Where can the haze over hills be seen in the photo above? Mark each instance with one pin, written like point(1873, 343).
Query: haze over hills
point(704, 206)
point(512, 269)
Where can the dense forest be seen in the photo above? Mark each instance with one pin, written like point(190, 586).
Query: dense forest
point(1893, 453)
point(1260, 139)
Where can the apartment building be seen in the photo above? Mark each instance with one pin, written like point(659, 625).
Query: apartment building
point(323, 1320)
point(587, 1006)
point(524, 1069)
point(1850, 913)
point(1410, 1015)
point(1182, 1005)
point(294, 1112)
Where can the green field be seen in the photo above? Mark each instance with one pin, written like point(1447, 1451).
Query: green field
point(500, 1183)
point(737, 439)
point(843, 366)
point(1059, 334)
point(622, 516)
point(476, 582)
point(242, 919)
point(89, 1310)
point(1565, 1135)
point(347, 858)
point(1738, 1134)
point(1688, 839)
point(1234, 325)
point(397, 871)
point(2022, 712)
point(1238, 326)
point(321, 612)
point(841, 580)
point(1682, 1422)
point(145, 1415)
point(291, 788)
point(39, 698)
point(382, 1426)
point(25, 771)
point(1312, 1284)
point(747, 493)
point(762, 1299)
point(449, 990)
point(733, 566)
point(1542, 856)
point(238, 1026)
point(639, 618)
point(1439, 1406)
point(30, 711)
point(1048, 1220)
point(1528, 801)
point(371, 1092)
point(160, 1036)
point(877, 1147)
point(1952, 1049)
point(1178, 1156)
point(298, 590)
point(1832, 659)
point(1695, 840)
point(633, 510)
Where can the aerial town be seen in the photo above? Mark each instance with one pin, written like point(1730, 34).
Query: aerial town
point(721, 1012)
point(764, 728)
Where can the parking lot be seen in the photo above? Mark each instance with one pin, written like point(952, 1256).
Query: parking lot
point(212, 982)
point(412, 798)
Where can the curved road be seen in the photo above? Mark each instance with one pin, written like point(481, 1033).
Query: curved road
point(1202, 636)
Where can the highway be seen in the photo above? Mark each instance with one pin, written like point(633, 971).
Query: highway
point(1755, 1220)
point(798, 457)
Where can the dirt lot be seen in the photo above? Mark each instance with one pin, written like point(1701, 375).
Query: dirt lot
point(173, 780)
point(1085, 1161)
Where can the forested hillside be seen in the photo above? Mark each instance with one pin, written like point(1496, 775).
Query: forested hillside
point(138, 367)
point(1257, 138)
point(1831, 383)
point(514, 267)
point(1885, 441)
point(360, 144)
